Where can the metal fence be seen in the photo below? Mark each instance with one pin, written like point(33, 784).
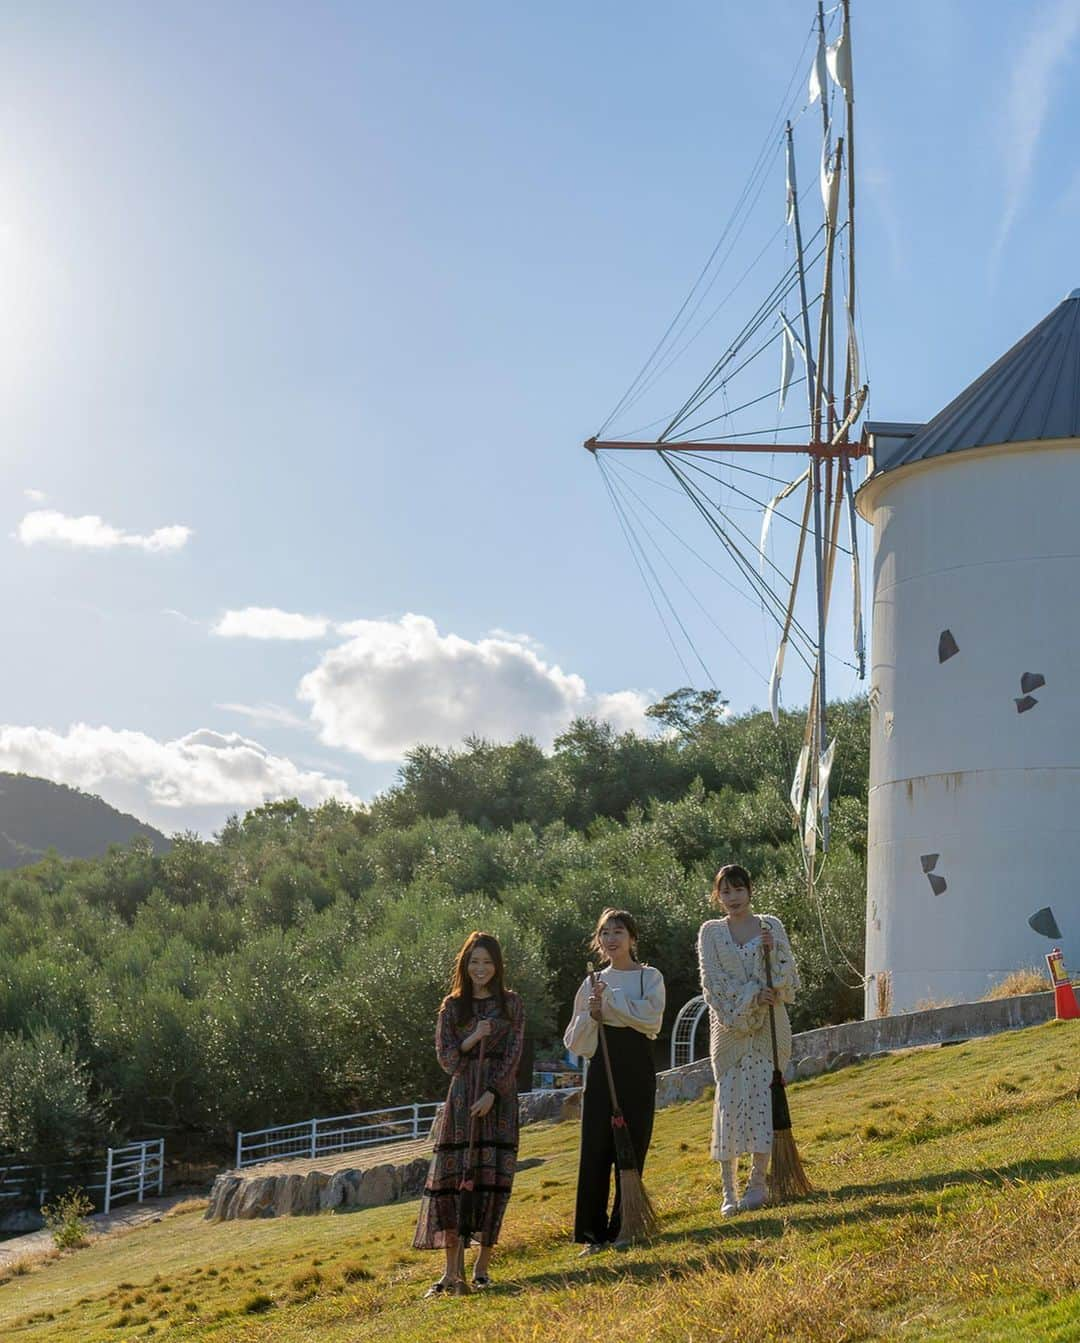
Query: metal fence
point(337, 1133)
point(134, 1171)
point(684, 1033)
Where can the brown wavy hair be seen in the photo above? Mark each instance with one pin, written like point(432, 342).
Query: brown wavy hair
point(736, 876)
point(460, 996)
point(622, 916)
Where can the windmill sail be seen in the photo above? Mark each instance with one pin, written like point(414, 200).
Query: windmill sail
point(710, 459)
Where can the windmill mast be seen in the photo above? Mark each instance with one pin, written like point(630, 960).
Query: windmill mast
point(829, 450)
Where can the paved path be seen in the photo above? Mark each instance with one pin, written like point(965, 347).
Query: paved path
point(101, 1224)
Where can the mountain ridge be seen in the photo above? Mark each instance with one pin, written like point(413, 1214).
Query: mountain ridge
point(38, 816)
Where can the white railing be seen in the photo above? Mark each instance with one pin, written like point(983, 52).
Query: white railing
point(130, 1172)
point(319, 1137)
point(133, 1171)
point(684, 1032)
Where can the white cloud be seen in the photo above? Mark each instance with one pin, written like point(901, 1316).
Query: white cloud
point(1046, 50)
point(267, 715)
point(36, 496)
point(267, 622)
point(45, 526)
point(396, 683)
point(510, 636)
point(171, 783)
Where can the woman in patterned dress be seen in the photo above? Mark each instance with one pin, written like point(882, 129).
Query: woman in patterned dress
point(731, 954)
point(478, 1008)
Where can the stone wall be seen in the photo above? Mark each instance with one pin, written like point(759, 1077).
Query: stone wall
point(832, 1047)
point(252, 1195)
point(248, 1195)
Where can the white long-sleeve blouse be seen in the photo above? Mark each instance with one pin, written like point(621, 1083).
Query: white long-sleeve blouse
point(633, 998)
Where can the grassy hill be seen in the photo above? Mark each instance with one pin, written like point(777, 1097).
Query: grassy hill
point(37, 815)
point(948, 1208)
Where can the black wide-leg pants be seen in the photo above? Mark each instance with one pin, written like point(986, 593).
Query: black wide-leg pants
point(635, 1086)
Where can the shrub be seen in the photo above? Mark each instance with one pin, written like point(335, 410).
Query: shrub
point(66, 1219)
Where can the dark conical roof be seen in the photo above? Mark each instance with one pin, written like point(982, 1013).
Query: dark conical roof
point(1031, 393)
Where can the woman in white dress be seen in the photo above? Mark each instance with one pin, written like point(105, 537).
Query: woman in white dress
point(731, 955)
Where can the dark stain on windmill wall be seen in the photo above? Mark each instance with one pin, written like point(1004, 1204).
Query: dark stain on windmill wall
point(1031, 681)
point(947, 646)
point(938, 884)
point(1023, 705)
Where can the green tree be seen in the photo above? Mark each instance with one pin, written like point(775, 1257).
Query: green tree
point(47, 1109)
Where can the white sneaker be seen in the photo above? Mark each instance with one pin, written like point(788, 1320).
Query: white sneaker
point(756, 1196)
point(729, 1207)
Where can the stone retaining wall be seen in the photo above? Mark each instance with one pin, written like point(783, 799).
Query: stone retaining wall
point(248, 1194)
point(832, 1047)
point(244, 1196)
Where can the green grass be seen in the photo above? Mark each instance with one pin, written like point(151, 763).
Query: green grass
point(948, 1209)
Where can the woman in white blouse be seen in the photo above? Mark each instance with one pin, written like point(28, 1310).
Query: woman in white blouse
point(731, 951)
point(628, 997)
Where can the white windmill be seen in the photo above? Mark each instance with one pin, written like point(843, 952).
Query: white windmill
point(975, 666)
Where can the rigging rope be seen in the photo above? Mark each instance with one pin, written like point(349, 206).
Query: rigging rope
point(627, 532)
point(757, 171)
point(773, 602)
point(761, 503)
point(693, 596)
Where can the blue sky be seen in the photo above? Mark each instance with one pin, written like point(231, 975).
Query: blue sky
point(332, 293)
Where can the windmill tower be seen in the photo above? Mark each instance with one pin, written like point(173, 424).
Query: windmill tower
point(975, 677)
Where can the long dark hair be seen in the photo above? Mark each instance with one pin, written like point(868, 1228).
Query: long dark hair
point(460, 996)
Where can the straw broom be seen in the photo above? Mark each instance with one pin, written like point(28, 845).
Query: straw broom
point(638, 1217)
point(467, 1198)
point(787, 1179)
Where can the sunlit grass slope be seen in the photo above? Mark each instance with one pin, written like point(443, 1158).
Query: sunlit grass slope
point(948, 1208)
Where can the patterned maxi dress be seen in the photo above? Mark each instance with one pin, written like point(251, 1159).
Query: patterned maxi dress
point(497, 1132)
point(740, 1042)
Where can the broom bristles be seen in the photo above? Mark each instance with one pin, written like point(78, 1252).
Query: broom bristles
point(787, 1178)
point(466, 1222)
point(638, 1216)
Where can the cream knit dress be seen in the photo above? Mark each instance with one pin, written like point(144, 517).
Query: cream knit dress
point(739, 1039)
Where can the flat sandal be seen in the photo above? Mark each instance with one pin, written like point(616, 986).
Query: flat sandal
point(444, 1287)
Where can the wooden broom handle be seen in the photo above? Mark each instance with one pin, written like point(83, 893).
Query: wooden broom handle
point(473, 1120)
point(594, 979)
point(772, 1014)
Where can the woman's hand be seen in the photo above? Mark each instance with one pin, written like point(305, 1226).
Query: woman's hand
point(480, 1108)
point(767, 998)
point(481, 1031)
point(596, 1002)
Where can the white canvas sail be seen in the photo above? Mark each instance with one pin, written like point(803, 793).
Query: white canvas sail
point(830, 180)
point(787, 364)
point(838, 63)
point(818, 72)
point(770, 509)
point(809, 836)
point(798, 783)
point(774, 682)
